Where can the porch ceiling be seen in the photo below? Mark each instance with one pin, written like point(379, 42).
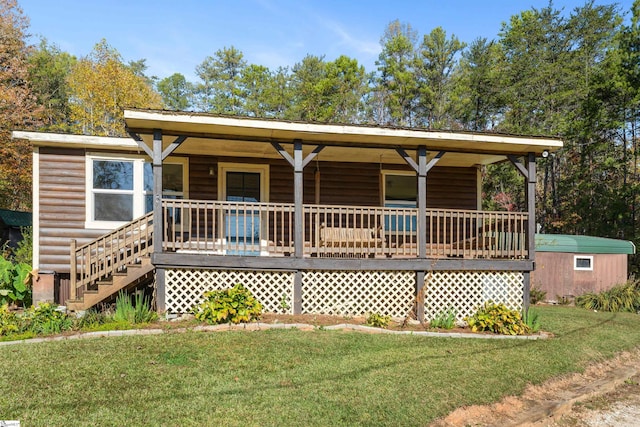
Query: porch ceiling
point(249, 137)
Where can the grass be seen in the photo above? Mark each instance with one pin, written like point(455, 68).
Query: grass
point(280, 377)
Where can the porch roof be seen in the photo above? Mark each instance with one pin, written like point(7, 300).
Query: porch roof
point(249, 137)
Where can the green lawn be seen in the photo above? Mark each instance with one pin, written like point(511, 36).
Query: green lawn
point(276, 377)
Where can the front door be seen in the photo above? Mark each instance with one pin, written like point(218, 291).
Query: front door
point(242, 225)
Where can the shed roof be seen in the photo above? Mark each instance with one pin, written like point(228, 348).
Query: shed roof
point(16, 218)
point(583, 244)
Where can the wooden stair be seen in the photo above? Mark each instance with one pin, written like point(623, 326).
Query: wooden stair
point(130, 276)
point(118, 260)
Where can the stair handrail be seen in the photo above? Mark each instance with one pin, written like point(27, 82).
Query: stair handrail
point(110, 253)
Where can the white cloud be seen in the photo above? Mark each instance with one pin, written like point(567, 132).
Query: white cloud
point(366, 47)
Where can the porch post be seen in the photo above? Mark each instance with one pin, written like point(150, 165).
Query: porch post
point(422, 201)
point(298, 219)
point(298, 162)
point(531, 205)
point(420, 275)
point(298, 167)
point(531, 229)
point(157, 215)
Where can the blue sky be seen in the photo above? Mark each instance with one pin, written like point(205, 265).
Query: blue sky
point(176, 36)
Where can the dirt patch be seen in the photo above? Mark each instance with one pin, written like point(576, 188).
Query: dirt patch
point(606, 394)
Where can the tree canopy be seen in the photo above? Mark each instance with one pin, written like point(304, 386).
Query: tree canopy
point(101, 85)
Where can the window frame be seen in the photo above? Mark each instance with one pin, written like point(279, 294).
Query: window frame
point(575, 262)
point(139, 194)
point(384, 173)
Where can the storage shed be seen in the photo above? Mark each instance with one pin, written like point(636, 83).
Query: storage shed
point(568, 266)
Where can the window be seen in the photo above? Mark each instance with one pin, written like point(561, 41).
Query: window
point(583, 263)
point(121, 189)
point(113, 190)
point(400, 189)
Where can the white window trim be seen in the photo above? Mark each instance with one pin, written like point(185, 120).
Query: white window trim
point(263, 170)
point(138, 186)
point(575, 262)
point(386, 172)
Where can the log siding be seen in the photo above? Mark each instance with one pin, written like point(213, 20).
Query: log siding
point(62, 192)
point(62, 206)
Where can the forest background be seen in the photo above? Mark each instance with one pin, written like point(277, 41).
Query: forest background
point(575, 76)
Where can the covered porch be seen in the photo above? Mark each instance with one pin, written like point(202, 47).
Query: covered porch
point(237, 232)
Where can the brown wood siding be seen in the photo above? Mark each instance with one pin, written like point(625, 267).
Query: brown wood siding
point(452, 188)
point(340, 183)
point(62, 192)
point(62, 207)
point(202, 186)
point(555, 274)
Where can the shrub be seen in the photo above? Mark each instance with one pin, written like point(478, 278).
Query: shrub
point(45, 319)
point(92, 319)
point(625, 297)
point(444, 320)
point(537, 295)
point(9, 322)
point(14, 282)
point(233, 305)
point(23, 253)
point(377, 320)
point(499, 319)
point(136, 311)
point(532, 319)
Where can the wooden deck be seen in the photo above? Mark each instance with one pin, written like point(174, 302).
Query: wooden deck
point(260, 235)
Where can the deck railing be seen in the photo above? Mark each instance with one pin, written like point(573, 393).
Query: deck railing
point(267, 229)
point(110, 253)
point(228, 228)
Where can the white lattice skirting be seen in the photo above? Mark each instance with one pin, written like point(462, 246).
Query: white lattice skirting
point(356, 293)
point(351, 293)
point(184, 287)
point(465, 291)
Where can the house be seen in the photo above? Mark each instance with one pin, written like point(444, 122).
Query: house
point(11, 225)
point(568, 266)
point(321, 218)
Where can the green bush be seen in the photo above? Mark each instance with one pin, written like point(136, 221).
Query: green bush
point(532, 319)
point(497, 318)
point(233, 305)
point(45, 319)
point(625, 297)
point(92, 319)
point(444, 320)
point(377, 320)
point(15, 280)
point(136, 311)
point(23, 253)
point(537, 295)
point(9, 322)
